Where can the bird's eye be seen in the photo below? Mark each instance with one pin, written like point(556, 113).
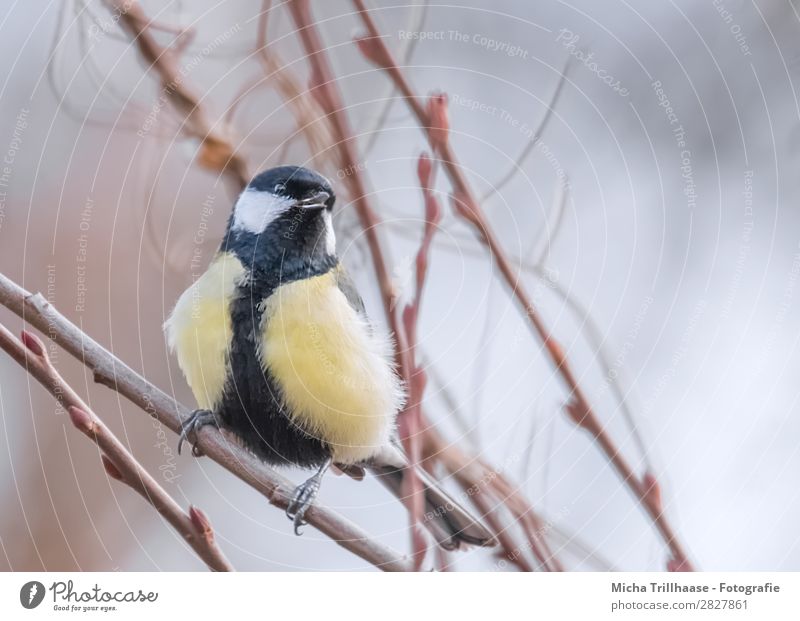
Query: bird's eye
point(279, 188)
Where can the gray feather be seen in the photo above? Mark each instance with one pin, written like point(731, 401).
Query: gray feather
point(348, 287)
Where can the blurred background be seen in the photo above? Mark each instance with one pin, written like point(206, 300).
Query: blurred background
point(660, 198)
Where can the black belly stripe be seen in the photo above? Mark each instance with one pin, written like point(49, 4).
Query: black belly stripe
point(252, 406)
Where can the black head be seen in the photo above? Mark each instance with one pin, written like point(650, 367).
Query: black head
point(283, 217)
point(295, 182)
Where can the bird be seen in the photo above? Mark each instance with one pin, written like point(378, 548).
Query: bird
point(277, 348)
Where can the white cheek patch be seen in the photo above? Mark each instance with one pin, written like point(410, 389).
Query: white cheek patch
point(255, 210)
point(330, 235)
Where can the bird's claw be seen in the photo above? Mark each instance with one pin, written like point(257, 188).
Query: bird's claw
point(302, 499)
point(190, 427)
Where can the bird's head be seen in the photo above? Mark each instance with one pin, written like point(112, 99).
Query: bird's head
point(283, 214)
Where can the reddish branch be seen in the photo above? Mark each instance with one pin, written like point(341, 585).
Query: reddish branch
point(435, 125)
point(306, 110)
point(491, 491)
point(216, 150)
point(222, 448)
point(410, 422)
point(118, 462)
point(323, 86)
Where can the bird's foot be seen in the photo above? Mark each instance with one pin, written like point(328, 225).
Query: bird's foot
point(190, 427)
point(303, 498)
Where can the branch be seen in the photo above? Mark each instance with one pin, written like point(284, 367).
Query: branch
point(216, 150)
point(589, 328)
point(537, 136)
point(222, 448)
point(306, 110)
point(410, 420)
point(323, 87)
point(416, 23)
point(195, 528)
point(490, 490)
point(434, 122)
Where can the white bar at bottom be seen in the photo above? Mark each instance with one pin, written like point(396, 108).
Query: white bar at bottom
point(385, 597)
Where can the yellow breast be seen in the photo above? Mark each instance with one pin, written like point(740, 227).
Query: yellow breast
point(333, 372)
point(199, 329)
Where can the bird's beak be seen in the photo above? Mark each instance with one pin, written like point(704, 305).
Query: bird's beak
point(317, 200)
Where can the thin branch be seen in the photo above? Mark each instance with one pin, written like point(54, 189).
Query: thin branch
point(222, 448)
point(580, 549)
point(589, 327)
point(410, 420)
point(323, 87)
point(449, 400)
point(594, 336)
point(454, 242)
point(216, 149)
point(477, 476)
point(490, 491)
point(416, 23)
point(306, 110)
point(552, 224)
point(118, 462)
point(537, 136)
point(435, 124)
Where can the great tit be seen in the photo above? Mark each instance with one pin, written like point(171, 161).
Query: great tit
point(276, 346)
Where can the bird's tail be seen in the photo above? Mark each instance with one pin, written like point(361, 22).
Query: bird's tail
point(449, 523)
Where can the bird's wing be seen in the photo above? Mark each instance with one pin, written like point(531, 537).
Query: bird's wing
point(199, 329)
point(348, 287)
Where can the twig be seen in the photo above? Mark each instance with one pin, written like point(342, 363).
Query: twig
point(410, 422)
point(593, 335)
point(449, 400)
point(216, 150)
point(223, 449)
point(434, 122)
point(118, 462)
point(589, 328)
point(553, 220)
point(323, 87)
point(488, 489)
point(306, 110)
point(571, 542)
point(537, 136)
point(416, 23)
